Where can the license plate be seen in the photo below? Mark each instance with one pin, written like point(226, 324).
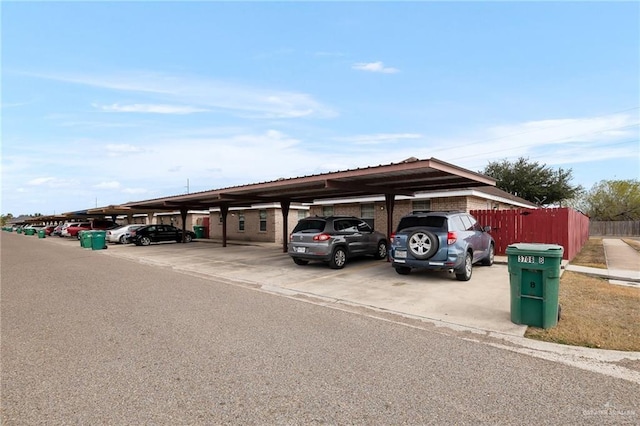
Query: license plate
point(400, 254)
point(300, 249)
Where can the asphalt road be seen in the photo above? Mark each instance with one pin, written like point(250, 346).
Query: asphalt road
point(93, 339)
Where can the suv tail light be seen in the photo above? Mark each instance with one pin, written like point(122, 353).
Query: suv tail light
point(393, 236)
point(321, 237)
point(451, 238)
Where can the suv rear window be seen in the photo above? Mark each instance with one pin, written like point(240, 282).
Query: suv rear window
point(439, 222)
point(310, 226)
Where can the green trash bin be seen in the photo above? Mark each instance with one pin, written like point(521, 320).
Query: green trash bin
point(41, 233)
point(19, 230)
point(534, 277)
point(199, 230)
point(29, 231)
point(98, 240)
point(85, 239)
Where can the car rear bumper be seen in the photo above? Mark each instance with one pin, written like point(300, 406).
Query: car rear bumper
point(453, 261)
point(310, 252)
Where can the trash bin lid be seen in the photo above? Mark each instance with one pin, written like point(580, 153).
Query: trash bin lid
point(548, 250)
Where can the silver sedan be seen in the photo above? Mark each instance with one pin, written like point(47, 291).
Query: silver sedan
point(118, 235)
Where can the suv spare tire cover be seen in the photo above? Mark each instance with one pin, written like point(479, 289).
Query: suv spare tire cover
point(422, 244)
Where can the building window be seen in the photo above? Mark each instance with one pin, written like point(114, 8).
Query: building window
point(240, 221)
point(302, 214)
point(421, 205)
point(367, 213)
point(327, 211)
point(263, 220)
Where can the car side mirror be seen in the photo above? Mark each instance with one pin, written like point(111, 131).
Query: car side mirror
point(487, 229)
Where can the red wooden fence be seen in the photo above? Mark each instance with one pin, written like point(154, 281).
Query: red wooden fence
point(563, 226)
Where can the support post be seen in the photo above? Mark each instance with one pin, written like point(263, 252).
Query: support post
point(224, 209)
point(284, 205)
point(389, 201)
point(183, 215)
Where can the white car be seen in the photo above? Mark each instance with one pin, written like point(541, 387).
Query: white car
point(118, 235)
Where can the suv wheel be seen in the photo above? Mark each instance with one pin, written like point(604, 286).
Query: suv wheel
point(423, 244)
point(488, 261)
point(298, 261)
point(381, 253)
point(338, 258)
point(145, 241)
point(188, 238)
point(464, 274)
point(122, 239)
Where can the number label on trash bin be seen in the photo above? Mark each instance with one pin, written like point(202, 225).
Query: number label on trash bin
point(530, 259)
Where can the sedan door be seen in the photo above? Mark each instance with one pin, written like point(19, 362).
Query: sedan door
point(169, 233)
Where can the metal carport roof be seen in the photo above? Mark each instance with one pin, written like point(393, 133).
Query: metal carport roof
point(403, 178)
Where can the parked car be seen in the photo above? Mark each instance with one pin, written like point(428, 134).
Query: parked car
point(441, 241)
point(157, 233)
point(58, 229)
point(334, 239)
point(35, 228)
point(119, 234)
point(49, 229)
point(74, 229)
point(65, 226)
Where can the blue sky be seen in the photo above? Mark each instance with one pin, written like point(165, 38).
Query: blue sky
point(109, 102)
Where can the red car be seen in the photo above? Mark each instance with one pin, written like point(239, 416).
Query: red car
point(49, 229)
point(74, 229)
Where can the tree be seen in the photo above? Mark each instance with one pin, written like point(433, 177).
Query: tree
point(5, 218)
point(613, 200)
point(533, 181)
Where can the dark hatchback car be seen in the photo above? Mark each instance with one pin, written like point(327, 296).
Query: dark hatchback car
point(441, 241)
point(159, 233)
point(335, 239)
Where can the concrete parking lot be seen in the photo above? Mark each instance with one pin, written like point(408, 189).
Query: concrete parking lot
point(481, 304)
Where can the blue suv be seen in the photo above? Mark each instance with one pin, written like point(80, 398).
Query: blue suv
point(451, 241)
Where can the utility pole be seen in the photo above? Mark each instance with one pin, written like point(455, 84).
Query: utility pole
point(187, 185)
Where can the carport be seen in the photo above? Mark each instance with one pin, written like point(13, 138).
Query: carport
point(404, 178)
point(113, 211)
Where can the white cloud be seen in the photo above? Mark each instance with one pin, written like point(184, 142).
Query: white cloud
point(114, 150)
point(204, 93)
point(51, 182)
point(40, 181)
point(375, 67)
point(552, 142)
point(379, 138)
point(107, 185)
point(135, 191)
point(149, 108)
